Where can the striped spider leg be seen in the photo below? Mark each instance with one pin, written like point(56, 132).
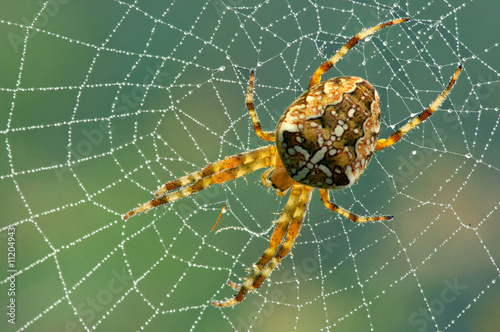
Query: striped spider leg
point(230, 168)
point(325, 139)
point(288, 224)
point(396, 136)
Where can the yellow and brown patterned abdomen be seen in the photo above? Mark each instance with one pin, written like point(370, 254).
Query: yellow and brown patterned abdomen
point(327, 137)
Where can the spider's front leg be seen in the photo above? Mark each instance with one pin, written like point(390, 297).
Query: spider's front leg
point(230, 168)
point(289, 222)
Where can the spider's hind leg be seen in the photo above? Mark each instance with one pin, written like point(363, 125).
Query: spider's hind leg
point(265, 135)
point(316, 77)
point(396, 136)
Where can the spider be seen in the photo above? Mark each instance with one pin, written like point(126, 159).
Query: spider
point(324, 140)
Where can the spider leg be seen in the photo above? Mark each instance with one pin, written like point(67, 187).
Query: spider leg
point(219, 177)
point(279, 232)
point(293, 232)
point(265, 135)
point(383, 143)
point(289, 223)
point(276, 238)
point(335, 208)
point(229, 162)
point(316, 77)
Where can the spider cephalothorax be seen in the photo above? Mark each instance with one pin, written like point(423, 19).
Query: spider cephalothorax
point(324, 140)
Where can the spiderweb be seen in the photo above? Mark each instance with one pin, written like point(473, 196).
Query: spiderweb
point(103, 101)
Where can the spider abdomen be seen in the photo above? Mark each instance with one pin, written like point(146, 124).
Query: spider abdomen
point(326, 138)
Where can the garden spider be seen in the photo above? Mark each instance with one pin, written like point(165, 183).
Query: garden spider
point(325, 139)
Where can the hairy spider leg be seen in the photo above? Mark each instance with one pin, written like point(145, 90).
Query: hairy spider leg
point(265, 135)
point(279, 231)
point(227, 163)
point(354, 217)
point(292, 234)
point(263, 159)
point(396, 136)
point(296, 207)
point(316, 77)
point(276, 239)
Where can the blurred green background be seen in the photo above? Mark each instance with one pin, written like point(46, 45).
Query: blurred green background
point(103, 101)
